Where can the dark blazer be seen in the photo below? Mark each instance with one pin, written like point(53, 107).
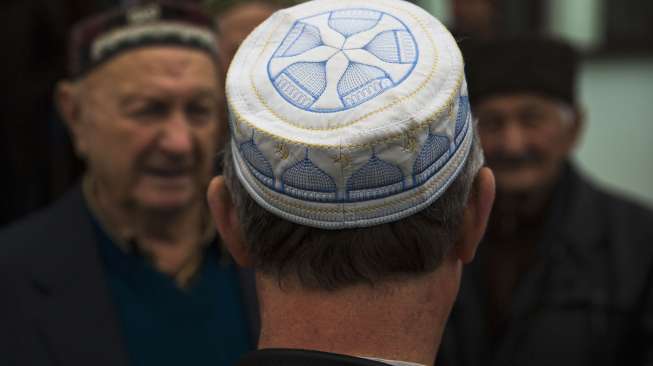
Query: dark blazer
point(56, 308)
point(296, 357)
point(588, 300)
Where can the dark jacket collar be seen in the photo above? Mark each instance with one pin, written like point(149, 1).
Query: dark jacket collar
point(77, 317)
point(573, 229)
point(576, 214)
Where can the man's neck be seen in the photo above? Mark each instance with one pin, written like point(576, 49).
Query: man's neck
point(172, 240)
point(402, 321)
point(518, 216)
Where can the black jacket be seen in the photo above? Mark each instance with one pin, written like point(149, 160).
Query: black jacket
point(587, 301)
point(55, 306)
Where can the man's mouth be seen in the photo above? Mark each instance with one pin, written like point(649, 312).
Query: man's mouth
point(167, 172)
point(510, 165)
point(513, 162)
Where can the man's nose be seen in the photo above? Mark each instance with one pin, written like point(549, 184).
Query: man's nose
point(177, 137)
point(514, 139)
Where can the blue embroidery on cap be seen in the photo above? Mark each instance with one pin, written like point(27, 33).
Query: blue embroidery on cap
point(375, 179)
point(257, 163)
point(431, 158)
point(351, 21)
point(311, 75)
point(305, 180)
point(462, 118)
point(300, 39)
point(335, 61)
point(405, 53)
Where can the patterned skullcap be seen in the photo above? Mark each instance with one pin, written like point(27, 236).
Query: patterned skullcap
point(99, 38)
point(348, 113)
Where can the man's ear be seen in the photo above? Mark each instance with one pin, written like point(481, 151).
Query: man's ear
point(227, 222)
point(67, 99)
point(476, 215)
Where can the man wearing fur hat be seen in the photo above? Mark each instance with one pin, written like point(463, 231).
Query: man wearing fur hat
point(126, 269)
point(565, 273)
point(353, 182)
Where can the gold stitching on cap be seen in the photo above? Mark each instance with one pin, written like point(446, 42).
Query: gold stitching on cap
point(343, 159)
point(410, 142)
point(281, 150)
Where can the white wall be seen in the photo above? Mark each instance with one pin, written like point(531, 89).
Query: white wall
point(617, 148)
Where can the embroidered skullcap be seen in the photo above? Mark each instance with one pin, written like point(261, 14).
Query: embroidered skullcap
point(348, 113)
point(99, 38)
point(525, 64)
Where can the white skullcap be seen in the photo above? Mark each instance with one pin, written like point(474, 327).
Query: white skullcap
point(348, 113)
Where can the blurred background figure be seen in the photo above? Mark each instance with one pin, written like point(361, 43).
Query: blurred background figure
point(36, 154)
point(475, 18)
point(615, 40)
point(237, 20)
point(564, 275)
point(126, 268)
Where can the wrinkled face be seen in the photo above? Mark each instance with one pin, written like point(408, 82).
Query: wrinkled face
point(149, 125)
point(526, 139)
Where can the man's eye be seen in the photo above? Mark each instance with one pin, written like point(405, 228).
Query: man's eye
point(532, 119)
point(152, 110)
point(200, 111)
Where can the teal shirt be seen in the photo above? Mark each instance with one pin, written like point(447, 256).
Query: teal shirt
point(204, 324)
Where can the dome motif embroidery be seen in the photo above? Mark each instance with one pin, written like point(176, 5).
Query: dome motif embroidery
point(375, 179)
point(257, 163)
point(305, 180)
point(337, 60)
point(431, 158)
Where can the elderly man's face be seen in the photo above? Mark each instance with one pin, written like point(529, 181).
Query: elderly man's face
point(148, 127)
point(526, 139)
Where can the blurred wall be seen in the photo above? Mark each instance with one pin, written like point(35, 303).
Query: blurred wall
point(617, 147)
point(617, 93)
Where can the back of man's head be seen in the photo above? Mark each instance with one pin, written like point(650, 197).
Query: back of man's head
point(353, 180)
point(353, 151)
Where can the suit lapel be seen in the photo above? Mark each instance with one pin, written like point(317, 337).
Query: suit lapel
point(77, 317)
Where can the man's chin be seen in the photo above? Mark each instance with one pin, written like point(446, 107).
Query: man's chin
point(518, 183)
point(167, 201)
point(167, 193)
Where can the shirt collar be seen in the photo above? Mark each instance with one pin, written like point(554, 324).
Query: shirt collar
point(393, 362)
